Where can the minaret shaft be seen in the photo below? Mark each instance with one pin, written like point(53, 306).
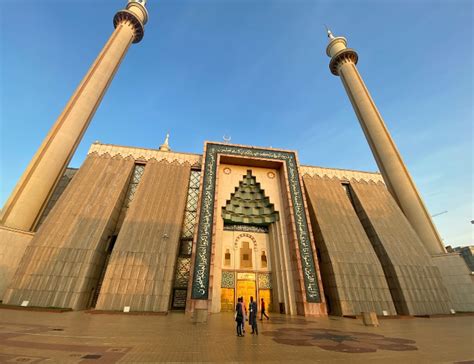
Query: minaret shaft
point(37, 183)
point(387, 156)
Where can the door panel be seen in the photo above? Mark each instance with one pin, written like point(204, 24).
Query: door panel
point(266, 294)
point(246, 289)
point(227, 299)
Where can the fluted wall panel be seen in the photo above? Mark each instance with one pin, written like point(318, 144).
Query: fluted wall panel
point(352, 274)
point(414, 279)
point(142, 265)
point(61, 265)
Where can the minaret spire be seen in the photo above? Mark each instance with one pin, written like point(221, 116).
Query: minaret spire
point(330, 35)
point(27, 201)
point(165, 147)
point(395, 173)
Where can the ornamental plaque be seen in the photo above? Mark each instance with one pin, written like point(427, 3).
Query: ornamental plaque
point(202, 264)
point(246, 276)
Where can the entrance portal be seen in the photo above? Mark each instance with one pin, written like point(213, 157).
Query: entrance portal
point(245, 289)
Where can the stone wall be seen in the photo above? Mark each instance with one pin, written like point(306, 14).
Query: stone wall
point(457, 278)
point(12, 247)
point(142, 265)
point(414, 280)
point(61, 265)
point(352, 274)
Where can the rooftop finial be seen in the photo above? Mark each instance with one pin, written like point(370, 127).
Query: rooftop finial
point(165, 147)
point(143, 2)
point(330, 35)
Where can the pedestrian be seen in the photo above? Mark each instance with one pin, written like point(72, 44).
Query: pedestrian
point(238, 317)
point(262, 310)
point(244, 312)
point(253, 315)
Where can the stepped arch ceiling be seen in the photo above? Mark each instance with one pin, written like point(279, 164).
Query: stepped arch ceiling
point(249, 205)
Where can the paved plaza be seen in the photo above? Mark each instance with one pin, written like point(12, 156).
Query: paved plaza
point(73, 337)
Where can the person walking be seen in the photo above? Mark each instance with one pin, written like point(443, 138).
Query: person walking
point(262, 310)
point(239, 316)
point(253, 315)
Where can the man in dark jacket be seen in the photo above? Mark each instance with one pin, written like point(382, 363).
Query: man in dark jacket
point(239, 316)
point(253, 315)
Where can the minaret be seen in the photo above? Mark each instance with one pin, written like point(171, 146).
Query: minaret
point(31, 194)
point(398, 180)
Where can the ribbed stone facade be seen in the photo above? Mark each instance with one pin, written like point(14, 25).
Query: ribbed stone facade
point(103, 247)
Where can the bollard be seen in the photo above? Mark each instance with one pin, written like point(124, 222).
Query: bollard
point(370, 319)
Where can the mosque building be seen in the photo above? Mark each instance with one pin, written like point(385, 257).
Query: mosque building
point(155, 230)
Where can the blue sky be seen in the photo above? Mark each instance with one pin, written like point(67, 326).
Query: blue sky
point(255, 70)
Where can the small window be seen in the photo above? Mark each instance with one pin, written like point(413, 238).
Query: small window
point(227, 258)
point(245, 255)
point(264, 260)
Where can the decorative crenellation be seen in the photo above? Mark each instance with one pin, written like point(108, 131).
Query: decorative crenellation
point(341, 174)
point(142, 154)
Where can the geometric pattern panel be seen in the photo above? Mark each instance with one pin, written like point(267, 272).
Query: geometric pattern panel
point(192, 202)
point(183, 264)
point(186, 248)
point(189, 224)
point(264, 281)
point(192, 198)
point(195, 179)
point(182, 272)
point(228, 279)
point(135, 180)
point(179, 299)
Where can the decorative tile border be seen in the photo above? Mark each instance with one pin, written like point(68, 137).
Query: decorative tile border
point(200, 286)
point(248, 228)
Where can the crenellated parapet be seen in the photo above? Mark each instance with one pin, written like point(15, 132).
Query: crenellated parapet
point(342, 174)
point(143, 154)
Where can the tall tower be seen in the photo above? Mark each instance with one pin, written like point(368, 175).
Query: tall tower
point(30, 195)
point(399, 182)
